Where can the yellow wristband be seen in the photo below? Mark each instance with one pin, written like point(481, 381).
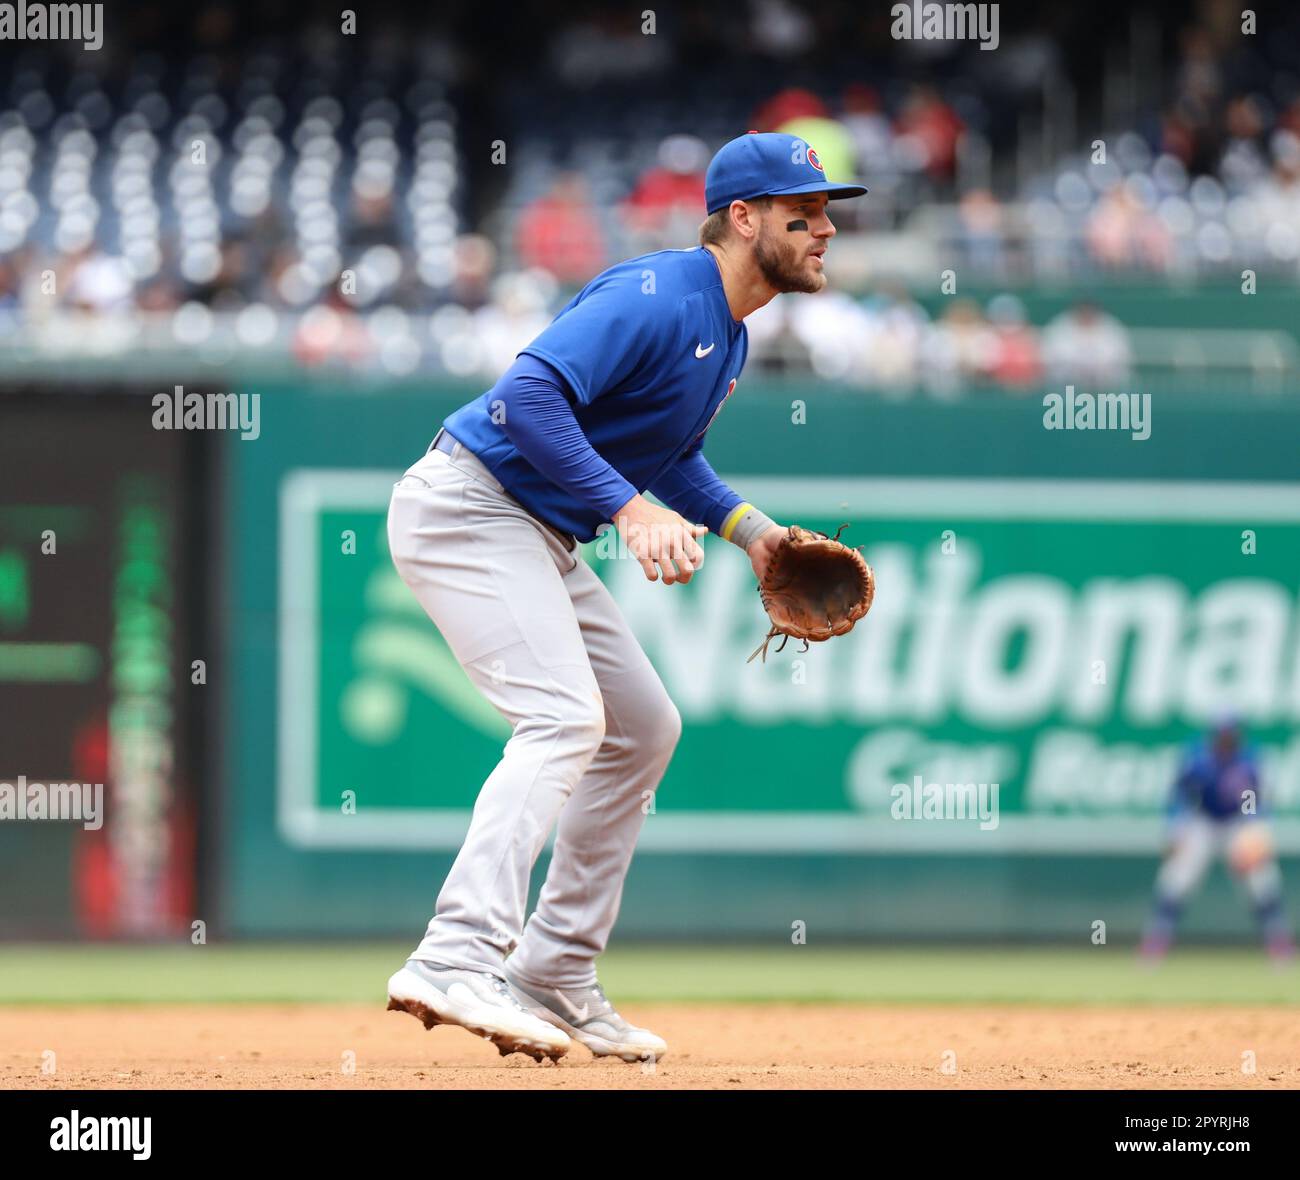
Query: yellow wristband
point(733, 519)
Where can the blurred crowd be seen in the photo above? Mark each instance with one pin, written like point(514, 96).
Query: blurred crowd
point(1203, 178)
point(887, 341)
point(337, 201)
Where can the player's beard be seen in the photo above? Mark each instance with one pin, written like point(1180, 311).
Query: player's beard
point(780, 262)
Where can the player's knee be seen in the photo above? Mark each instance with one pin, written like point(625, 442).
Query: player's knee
point(590, 726)
point(571, 722)
point(660, 726)
point(672, 724)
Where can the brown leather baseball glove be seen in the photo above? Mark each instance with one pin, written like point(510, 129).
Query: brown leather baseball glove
point(814, 588)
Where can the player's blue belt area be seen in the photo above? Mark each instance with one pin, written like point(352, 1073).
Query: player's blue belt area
point(444, 442)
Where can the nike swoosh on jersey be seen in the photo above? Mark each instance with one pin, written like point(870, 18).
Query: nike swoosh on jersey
point(701, 353)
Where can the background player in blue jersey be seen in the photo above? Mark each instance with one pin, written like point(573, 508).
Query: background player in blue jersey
point(1214, 810)
point(612, 400)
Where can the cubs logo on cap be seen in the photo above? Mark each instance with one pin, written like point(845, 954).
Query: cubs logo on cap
point(768, 164)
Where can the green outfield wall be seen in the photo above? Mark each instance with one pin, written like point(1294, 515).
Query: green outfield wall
point(1058, 611)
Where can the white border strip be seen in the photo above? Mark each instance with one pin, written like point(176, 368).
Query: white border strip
point(1030, 499)
point(305, 492)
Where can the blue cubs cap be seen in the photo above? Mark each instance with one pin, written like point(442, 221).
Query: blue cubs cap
point(767, 164)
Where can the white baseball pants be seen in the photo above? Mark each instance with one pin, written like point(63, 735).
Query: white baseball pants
point(593, 728)
point(1198, 841)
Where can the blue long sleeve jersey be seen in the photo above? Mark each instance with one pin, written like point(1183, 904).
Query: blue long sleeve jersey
point(1214, 788)
point(615, 397)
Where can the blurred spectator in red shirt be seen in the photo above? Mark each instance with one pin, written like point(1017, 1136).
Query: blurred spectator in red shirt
point(1243, 162)
point(1016, 361)
point(1122, 231)
point(1289, 119)
point(791, 103)
point(559, 233)
point(935, 127)
point(675, 185)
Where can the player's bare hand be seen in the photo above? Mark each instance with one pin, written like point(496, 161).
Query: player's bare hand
point(660, 540)
point(761, 549)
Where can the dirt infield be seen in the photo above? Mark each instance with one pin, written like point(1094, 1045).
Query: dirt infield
point(742, 1046)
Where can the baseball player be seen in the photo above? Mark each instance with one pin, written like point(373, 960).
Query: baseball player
point(612, 400)
point(1214, 810)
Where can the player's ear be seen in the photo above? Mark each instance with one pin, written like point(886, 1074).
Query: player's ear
point(744, 220)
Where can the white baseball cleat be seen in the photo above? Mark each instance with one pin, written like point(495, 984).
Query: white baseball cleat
point(475, 1000)
point(588, 1017)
